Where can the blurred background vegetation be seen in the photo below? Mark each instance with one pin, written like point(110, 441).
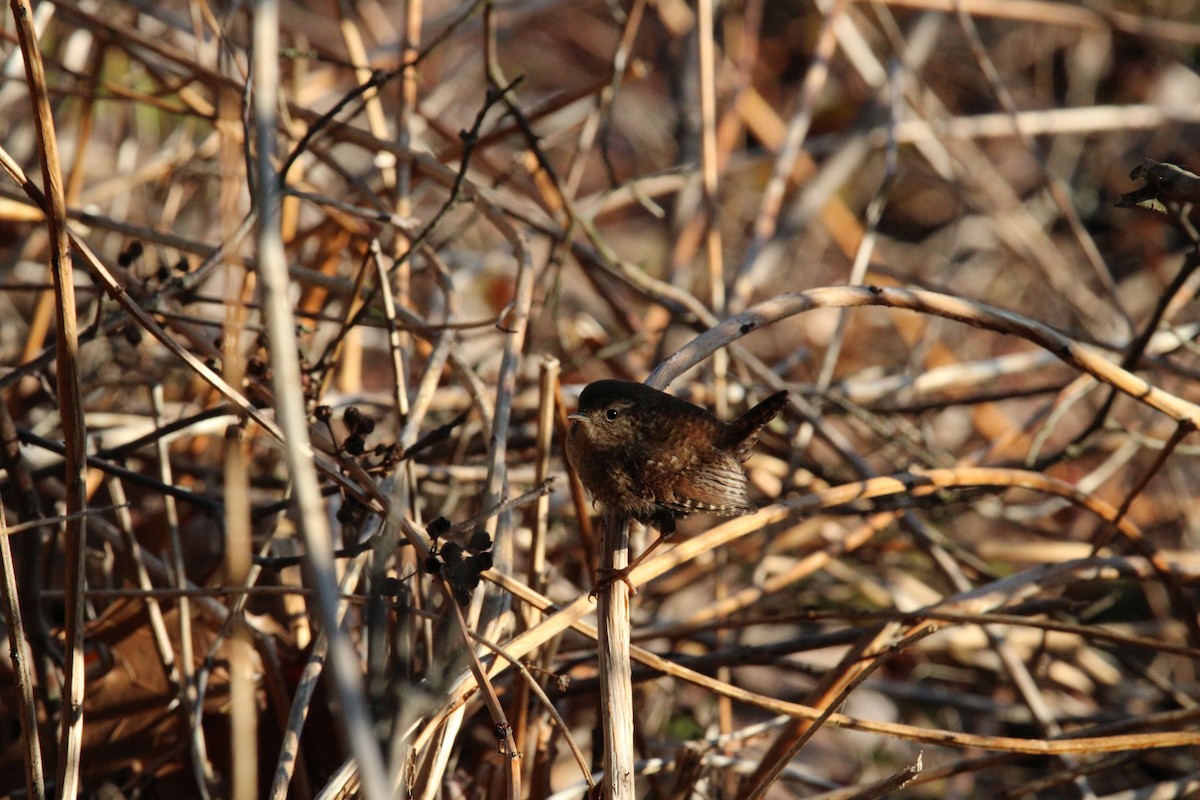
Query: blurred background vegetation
point(591, 185)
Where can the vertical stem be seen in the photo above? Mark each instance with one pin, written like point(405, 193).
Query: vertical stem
point(707, 50)
point(616, 682)
point(69, 400)
point(243, 707)
point(189, 691)
point(289, 408)
point(34, 784)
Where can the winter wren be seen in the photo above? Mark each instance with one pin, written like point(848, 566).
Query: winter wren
point(657, 458)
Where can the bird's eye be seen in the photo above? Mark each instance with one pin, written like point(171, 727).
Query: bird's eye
point(611, 414)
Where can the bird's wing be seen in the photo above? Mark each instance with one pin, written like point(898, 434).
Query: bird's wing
point(717, 486)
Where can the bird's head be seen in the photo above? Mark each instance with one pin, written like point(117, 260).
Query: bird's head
point(608, 413)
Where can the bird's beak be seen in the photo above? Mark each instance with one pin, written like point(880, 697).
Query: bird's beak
point(577, 417)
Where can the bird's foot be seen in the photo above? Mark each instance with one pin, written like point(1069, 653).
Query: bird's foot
point(606, 576)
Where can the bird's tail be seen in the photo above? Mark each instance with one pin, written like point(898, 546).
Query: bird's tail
point(741, 434)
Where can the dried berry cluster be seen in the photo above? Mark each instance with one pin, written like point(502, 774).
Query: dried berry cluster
point(459, 565)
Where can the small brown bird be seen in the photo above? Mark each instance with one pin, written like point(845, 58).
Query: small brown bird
point(657, 458)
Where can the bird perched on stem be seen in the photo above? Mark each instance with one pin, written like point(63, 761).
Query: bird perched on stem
point(655, 458)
